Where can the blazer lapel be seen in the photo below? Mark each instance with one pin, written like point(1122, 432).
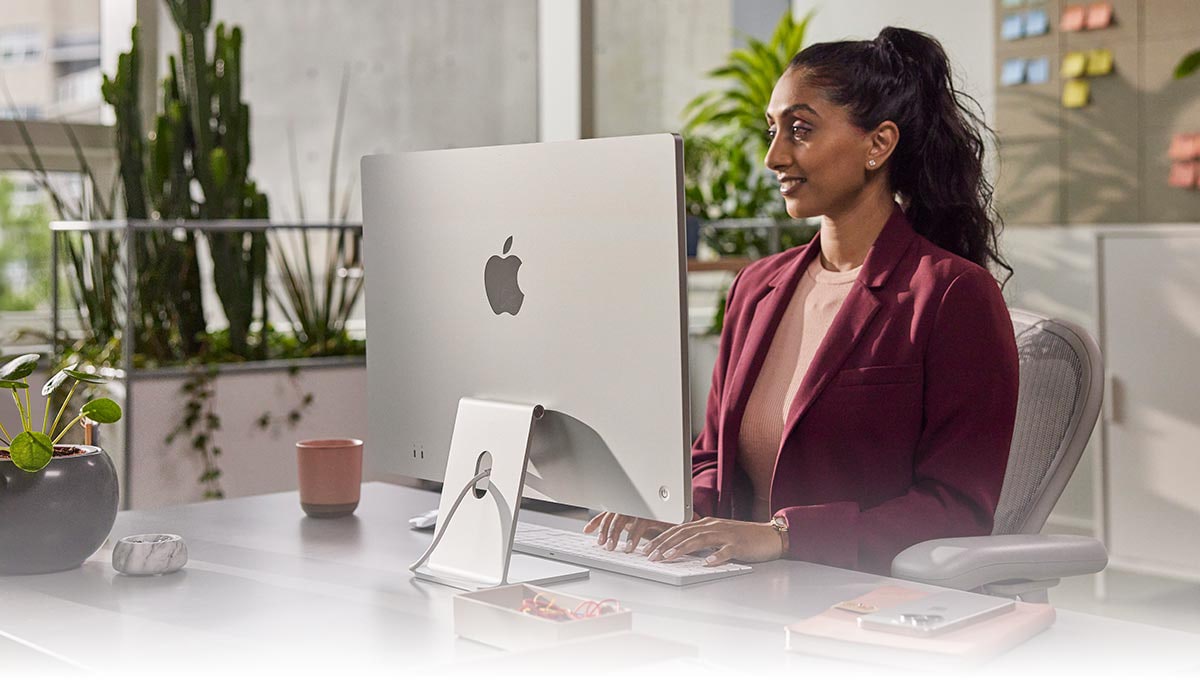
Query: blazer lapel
point(852, 320)
point(769, 307)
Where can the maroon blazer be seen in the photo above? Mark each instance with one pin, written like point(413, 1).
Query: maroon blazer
point(900, 429)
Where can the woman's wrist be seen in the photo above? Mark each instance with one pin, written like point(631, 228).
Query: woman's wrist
point(779, 525)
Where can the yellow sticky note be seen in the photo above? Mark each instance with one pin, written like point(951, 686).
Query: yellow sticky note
point(1099, 62)
point(1076, 93)
point(1074, 65)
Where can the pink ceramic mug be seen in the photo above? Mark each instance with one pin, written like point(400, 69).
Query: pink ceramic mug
point(330, 476)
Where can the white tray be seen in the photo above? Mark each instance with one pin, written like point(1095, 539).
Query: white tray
point(493, 617)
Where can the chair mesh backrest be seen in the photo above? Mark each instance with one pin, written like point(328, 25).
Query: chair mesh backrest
point(1056, 383)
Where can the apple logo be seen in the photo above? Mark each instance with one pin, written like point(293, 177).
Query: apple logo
point(500, 281)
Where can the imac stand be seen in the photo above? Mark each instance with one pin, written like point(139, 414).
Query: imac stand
point(489, 455)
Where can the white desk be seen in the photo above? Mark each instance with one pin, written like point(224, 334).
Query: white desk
point(272, 590)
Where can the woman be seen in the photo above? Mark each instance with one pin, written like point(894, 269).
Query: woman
point(865, 391)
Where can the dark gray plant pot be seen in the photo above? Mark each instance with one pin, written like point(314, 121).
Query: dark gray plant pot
point(54, 519)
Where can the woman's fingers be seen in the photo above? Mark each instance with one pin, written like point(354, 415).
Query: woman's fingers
point(721, 555)
point(614, 530)
point(593, 524)
point(608, 527)
point(602, 535)
point(691, 544)
point(637, 530)
point(670, 533)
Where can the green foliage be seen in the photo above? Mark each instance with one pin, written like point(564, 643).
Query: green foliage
point(24, 244)
point(19, 367)
point(1188, 65)
point(31, 449)
point(725, 147)
point(723, 130)
point(201, 138)
point(102, 411)
point(319, 312)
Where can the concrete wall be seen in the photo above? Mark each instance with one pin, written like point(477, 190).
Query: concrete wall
point(964, 28)
point(650, 57)
point(423, 75)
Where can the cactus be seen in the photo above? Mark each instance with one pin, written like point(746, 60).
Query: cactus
point(201, 134)
point(169, 317)
point(219, 122)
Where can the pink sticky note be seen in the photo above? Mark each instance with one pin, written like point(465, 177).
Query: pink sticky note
point(1099, 15)
point(1073, 18)
point(1183, 174)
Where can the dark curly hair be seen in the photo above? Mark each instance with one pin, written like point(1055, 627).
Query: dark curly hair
point(937, 167)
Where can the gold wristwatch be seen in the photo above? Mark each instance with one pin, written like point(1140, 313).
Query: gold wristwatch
point(780, 524)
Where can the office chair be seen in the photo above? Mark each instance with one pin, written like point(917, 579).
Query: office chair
point(1061, 389)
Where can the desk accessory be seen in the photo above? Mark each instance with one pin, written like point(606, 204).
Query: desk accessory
point(149, 554)
point(835, 633)
point(330, 476)
point(936, 614)
point(39, 476)
point(424, 521)
point(499, 617)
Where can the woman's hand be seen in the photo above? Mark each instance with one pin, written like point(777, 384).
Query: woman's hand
point(610, 525)
point(751, 542)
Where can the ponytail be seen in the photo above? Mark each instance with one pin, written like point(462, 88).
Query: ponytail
point(937, 167)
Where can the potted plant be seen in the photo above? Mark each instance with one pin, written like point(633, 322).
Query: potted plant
point(57, 501)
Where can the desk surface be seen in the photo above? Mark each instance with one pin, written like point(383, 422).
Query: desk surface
point(268, 588)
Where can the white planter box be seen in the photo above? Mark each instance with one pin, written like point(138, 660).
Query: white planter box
point(254, 461)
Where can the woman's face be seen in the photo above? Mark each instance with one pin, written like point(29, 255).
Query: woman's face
point(819, 156)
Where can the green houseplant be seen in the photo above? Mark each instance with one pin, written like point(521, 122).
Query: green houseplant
point(723, 128)
point(725, 147)
point(52, 521)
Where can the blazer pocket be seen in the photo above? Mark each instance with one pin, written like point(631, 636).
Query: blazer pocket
point(875, 376)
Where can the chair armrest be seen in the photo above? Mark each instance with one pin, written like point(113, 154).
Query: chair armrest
point(969, 563)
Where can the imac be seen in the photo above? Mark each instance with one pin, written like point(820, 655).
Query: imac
point(527, 317)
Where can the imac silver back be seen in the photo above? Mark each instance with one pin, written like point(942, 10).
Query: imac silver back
point(593, 328)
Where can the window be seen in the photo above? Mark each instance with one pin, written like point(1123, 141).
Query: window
point(50, 61)
point(20, 45)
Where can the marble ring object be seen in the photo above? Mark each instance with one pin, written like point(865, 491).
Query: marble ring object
point(150, 554)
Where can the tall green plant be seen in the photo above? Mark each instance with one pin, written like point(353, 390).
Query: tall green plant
point(215, 133)
point(723, 129)
point(169, 321)
point(319, 311)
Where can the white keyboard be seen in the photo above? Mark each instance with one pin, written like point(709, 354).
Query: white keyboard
point(581, 549)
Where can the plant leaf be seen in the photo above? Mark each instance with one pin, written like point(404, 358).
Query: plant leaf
point(31, 450)
point(102, 410)
point(17, 385)
point(56, 380)
point(1189, 64)
point(84, 377)
point(19, 367)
